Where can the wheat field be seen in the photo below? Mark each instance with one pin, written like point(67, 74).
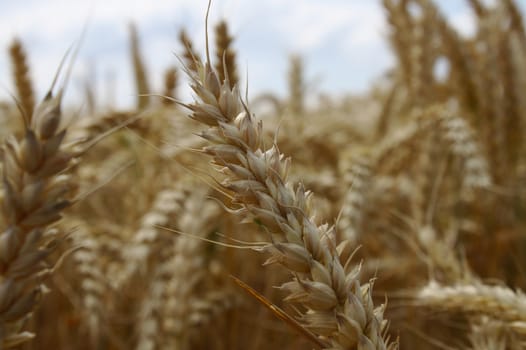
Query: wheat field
point(391, 220)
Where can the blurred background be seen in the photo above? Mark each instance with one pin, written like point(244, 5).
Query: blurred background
point(343, 43)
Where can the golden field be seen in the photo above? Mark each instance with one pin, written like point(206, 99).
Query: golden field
point(395, 219)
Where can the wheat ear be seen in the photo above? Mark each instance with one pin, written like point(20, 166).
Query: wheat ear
point(296, 85)
point(141, 79)
point(358, 177)
point(476, 298)
point(36, 190)
point(335, 306)
point(24, 88)
point(149, 241)
point(170, 84)
point(225, 55)
point(93, 282)
point(190, 56)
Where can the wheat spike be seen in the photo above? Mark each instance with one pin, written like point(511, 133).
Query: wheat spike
point(36, 191)
point(335, 305)
point(189, 270)
point(22, 78)
point(296, 85)
point(139, 70)
point(225, 56)
point(191, 57)
point(170, 84)
point(476, 298)
point(149, 240)
point(93, 282)
point(358, 177)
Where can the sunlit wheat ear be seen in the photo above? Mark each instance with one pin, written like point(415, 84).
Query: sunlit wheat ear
point(37, 189)
point(149, 239)
point(358, 177)
point(22, 78)
point(93, 282)
point(498, 302)
point(149, 330)
point(333, 303)
point(460, 138)
point(176, 301)
point(189, 271)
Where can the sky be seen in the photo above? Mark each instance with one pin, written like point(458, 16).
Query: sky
point(343, 42)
